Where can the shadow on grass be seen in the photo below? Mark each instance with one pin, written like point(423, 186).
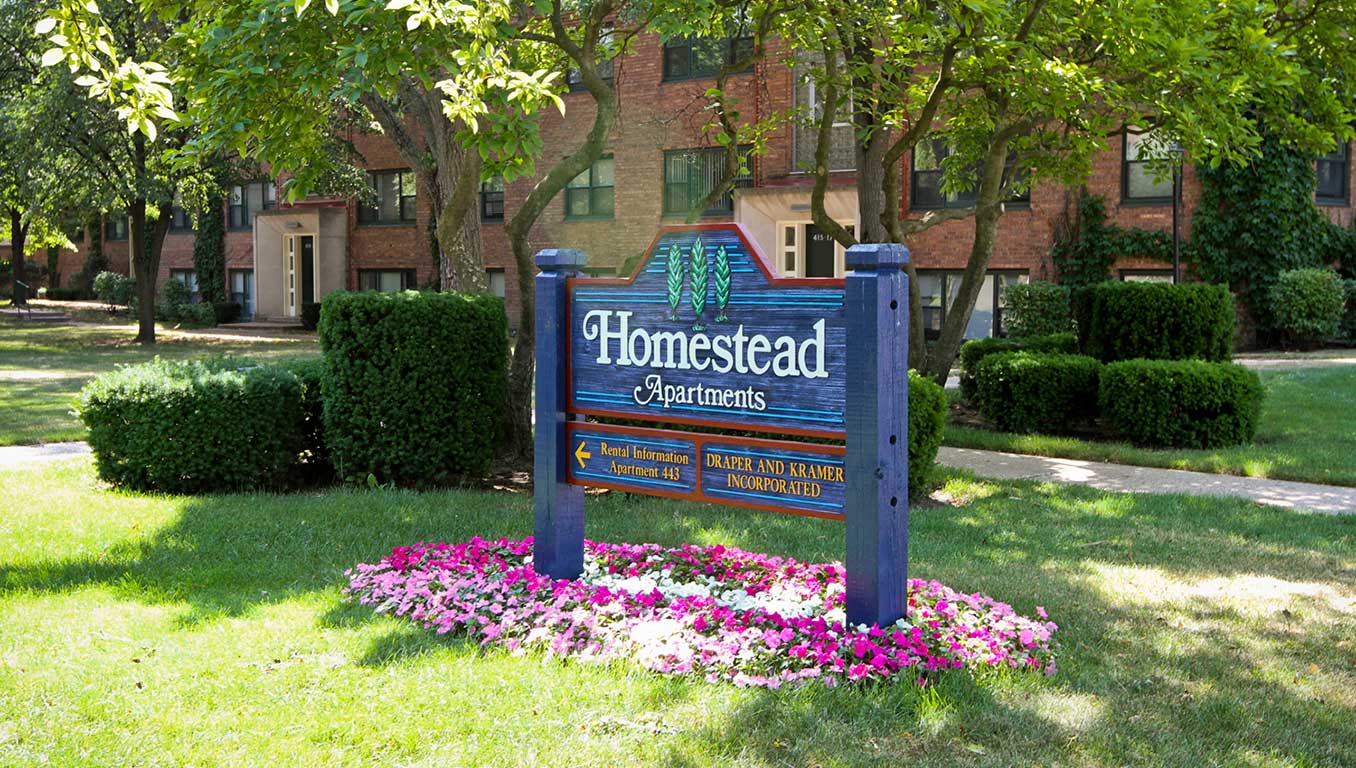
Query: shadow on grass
point(1174, 677)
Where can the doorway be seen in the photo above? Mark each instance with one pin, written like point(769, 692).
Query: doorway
point(299, 273)
point(807, 251)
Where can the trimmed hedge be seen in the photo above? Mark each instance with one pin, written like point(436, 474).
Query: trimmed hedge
point(1160, 321)
point(1034, 392)
point(927, 421)
point(314, 466)
point(65, 294)
point(310, 315)
point(1181, 403)
point(1036, 309)
point(190, 426)
point(226, 312)
point(972, 352)
point(1308, 304)
point(1349, 318)
point(414, 383)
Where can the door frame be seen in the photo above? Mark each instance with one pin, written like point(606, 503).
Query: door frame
point(292, 247)
point(839, 252)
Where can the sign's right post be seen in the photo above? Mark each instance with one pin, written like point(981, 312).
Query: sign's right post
point(877, 461)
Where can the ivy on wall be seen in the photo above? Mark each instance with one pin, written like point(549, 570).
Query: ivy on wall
point(1087, 245)
point(209, 251)
point(1258, 220)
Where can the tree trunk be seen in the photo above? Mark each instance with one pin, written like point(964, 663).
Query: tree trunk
point(451, 175)
point(18, 234)
point(988, 211)
point(144, 245)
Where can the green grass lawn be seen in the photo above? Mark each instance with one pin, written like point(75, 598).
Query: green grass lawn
point(42, 368)
point(1307, 432)
point(170, 631)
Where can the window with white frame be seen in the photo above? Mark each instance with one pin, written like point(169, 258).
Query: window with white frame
point(395, 198)
point(1144, 177)
point(386, 280)
point(939, 288)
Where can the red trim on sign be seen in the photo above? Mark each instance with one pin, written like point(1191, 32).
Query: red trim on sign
point(759, 258)
point(699, 442)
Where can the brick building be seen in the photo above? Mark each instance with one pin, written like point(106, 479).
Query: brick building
point(658, 161)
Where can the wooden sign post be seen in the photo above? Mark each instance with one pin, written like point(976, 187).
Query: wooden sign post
point(705, 334)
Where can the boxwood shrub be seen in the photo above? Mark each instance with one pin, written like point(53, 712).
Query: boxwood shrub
point(1349, 318)
point(188, 427)
point(927, 420)
point(1161, 321)
point(1036, 309)
point(1036, 392)
point(414, 384)
point(972, 352)
point(65, 294)
point(1181, 403)
point(1308, 305)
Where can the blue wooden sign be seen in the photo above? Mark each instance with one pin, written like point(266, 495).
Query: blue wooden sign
point(704, 333)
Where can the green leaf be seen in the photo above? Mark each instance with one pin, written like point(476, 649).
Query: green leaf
point(53, 56)
point(44, 26)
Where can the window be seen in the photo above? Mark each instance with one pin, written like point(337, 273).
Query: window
point(1334, 175)
point(1146, 275)
point(590, 194)
point(926, 180)
point(699, 57)
point(246, 199)
point(842, 138)
point(115, 227)
point(606, 68)
point(492, 199)
point(190, 280)
point(496, 279)
point(180, 221)
point(1140, 181)
point(242, 291)
point(395, 199)
point(691, 174)
point(386, 281)
point(939, 290)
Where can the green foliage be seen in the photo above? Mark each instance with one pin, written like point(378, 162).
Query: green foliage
point(415, 383)
point(722, 283)
point(1181, 403)
point(1258, 220)
point(174, 293)
point(313, 465)
point(1308, 304)
point(310, 315)
point(114, 289)
point(1160, 321)
point(209, 251)
point(1036, 309)
point(225, 312)
point(972, 352)
point(192, 427)
point(1349, 317)
point(1088, 246)
point(927, 421)
point(1037, 392)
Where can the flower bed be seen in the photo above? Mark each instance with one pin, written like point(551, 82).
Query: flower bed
point(716, 612)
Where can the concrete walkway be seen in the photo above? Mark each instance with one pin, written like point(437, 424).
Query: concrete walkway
point(18, 455)
point(1000, 466)
point(1117, 477)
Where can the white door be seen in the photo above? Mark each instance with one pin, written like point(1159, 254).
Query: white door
point(290, 277)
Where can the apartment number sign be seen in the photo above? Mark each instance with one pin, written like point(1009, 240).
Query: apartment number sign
point(705, 334)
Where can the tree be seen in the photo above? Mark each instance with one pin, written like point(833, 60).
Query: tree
point(122, 97)
point(39, 183)
point(1027, 91)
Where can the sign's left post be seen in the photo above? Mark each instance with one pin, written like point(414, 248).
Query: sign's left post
point(558, 550)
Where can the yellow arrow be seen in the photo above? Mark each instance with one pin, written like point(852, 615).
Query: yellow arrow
point(581, 454)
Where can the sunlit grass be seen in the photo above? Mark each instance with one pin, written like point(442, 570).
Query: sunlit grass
point(43, 367)
point(1307, 432)
point(149, 630)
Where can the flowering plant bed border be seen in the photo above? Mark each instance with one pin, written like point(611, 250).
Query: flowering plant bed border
point(716, 612)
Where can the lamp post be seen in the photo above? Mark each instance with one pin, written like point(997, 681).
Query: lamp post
point(1177, 152)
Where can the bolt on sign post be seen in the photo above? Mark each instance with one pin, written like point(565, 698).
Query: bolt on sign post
point(705, 334)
